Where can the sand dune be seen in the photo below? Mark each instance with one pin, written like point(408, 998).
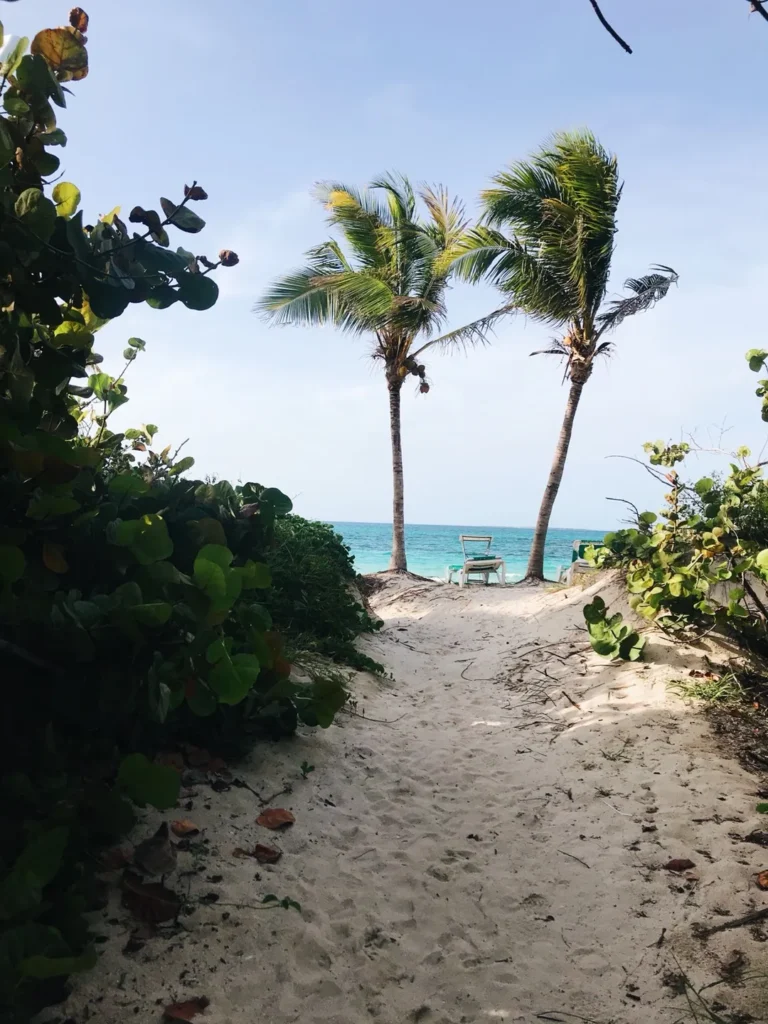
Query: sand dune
point(492, 853)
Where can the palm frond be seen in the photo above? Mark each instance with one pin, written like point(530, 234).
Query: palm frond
point(400, 197)
point(475, 333)
point(559, 209)
point(557, 348)
point(646, 292)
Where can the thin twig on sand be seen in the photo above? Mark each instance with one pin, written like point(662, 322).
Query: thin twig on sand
point(736, 922)
point(573, 857)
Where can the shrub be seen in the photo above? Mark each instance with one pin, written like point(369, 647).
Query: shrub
point(131, 598)
point(312, 599)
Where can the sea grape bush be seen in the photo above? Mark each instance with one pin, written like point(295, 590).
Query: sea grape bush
point(131, 597)
point(702, 562)
point(610, 636)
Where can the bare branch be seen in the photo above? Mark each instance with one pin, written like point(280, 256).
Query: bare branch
point(756, 7)
point(612, 31)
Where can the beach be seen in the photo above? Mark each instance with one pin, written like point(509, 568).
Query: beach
point(431, 549)
point(486, 837)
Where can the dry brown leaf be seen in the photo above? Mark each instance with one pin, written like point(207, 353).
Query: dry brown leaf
point(679, 864)
point(63, 49)
point(187, 1010)
point(762, 880)
point(78, 19)
point(149, 901)
point(266, 854)
point(275, 818)
point(184, 827)
point(240, 852)
point(53, 558)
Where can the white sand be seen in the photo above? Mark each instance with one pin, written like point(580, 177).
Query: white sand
point(431, 855)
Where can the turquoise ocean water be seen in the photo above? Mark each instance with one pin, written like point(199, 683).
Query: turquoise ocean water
point(431, 548)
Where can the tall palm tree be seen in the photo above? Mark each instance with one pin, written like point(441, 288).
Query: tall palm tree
point(552, 262)
point(390, 287)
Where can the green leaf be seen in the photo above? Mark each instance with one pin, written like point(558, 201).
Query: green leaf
point(156, 613)
point(162, 297)
point(12, 563)
point(280, 502)
point(595, 612)
point(756, 357)
point(182, 466)
point(631, 647)
point(231, 679)
point(45, 506)
point(217, 554)
point(762, 808)
point(182, 217)
point(67, 198)
point(12, 62)
point(255, 616)
point(148, 783)
point(7, 145)
point(43, 855)
point(54, 138)
point(209, 577)
point(648, 517)
point(128, 483)
point(42, 967)
point(197, 292)
point(14, 104)
point(255, 575)
point(140, 345)
point(761, 560)
point(147, 538)
point(36, 212)
point(73, 334)
point(100, 384)
point(704, 486)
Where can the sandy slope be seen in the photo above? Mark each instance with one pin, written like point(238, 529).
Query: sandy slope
point(492, 854)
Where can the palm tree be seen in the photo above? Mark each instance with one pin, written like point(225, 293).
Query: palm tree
point(390, 287)
point(552, 263)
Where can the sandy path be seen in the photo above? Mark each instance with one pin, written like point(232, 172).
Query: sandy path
point(486, 857)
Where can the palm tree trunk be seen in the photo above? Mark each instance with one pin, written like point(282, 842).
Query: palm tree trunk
point(397, 561)
point(535, 570)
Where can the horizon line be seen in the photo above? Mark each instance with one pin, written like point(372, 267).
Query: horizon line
point(374, 522)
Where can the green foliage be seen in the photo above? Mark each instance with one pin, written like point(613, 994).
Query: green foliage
point(610, 637)
point(312, 599)
point(711, 688)
point(130, 595)
point(701, 564)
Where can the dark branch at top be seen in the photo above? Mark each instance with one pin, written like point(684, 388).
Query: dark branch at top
point(757, 7)
point(612, 31)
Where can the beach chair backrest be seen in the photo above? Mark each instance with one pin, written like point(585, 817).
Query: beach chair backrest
point(471, 538)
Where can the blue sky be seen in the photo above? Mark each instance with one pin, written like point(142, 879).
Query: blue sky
point(258, 100)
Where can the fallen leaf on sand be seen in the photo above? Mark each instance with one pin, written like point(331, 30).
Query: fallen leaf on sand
point(760, 838)
point(184, 827)
point(275, 818)
point(679, 864)
point(149, 901)
point(266, 854)
point(187, 1010)
point(263, 854)
point(762, 880)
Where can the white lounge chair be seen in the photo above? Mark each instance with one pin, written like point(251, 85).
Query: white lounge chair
point(578, 564)
point(481, 564)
